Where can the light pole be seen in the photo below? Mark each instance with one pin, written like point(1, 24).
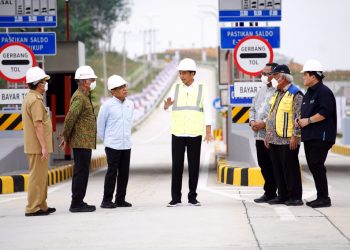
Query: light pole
point(67, 20)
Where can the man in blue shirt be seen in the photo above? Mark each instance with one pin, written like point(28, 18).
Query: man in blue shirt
point(318, 128)
point(114, 123)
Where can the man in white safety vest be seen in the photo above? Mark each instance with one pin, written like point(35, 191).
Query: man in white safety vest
point(189, 114)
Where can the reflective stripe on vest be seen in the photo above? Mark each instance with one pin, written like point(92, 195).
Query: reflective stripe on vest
point(198, 102)
point(187, 111)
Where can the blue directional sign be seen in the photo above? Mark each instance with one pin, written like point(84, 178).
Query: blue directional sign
point(28, 21)
point(231, 36)
point(250, 15)
point(42, 43)
point(239, 101)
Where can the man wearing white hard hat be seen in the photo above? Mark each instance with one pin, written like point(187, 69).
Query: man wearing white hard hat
point(37, 131)
point(318, 128)
point(190, 116)
point(80, 134)
point(114, 123)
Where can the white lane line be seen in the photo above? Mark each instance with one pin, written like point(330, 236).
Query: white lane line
point(285, 214)
point(203, 176)
point(307, 176)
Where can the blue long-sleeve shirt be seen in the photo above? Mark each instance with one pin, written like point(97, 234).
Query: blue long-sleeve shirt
point(114, 123)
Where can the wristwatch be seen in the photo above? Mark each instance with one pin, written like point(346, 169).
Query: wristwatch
point(309, 120)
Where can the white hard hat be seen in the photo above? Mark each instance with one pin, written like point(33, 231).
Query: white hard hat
point(187, 64)
point(115, 81)
point(35, 74)
point(84, 72)
point(312, 65)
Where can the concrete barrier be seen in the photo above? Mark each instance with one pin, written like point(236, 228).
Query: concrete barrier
point(19, 183)
point(238, 176)
point(341, 149)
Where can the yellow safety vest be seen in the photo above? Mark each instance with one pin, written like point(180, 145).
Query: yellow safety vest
point(284, 114)
point(187, 112)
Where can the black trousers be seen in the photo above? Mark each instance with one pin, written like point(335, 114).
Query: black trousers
point(264, 161)
point(286, 170)
point(82, 160)
point(316, 153)
point(118, 170)
point(178, 147)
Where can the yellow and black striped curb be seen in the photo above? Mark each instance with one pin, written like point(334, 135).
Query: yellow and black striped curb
point(19, 183)
point(240, 114)
point(11, 122)
point(238, 176)
point(341, 149)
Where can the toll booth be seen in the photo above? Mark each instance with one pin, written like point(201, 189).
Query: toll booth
point(61, 68)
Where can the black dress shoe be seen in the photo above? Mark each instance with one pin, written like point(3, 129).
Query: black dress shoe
point(38, 213)
point(123, 204)
point(263, 198)
point(276, 201)
point(108, 204)
point(294, 202)
point(308, 203)
point(82, 208)
point(51, 210)
point(325, 202)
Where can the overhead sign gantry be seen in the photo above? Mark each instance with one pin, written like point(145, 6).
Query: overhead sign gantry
point(249, 10)
point(28, 13)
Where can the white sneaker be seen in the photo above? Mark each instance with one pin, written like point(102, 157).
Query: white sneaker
point(173, 204)
point(194, 203)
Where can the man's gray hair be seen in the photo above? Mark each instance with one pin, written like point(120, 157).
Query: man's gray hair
point(288, 77)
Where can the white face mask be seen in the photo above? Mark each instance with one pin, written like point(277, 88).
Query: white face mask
point(93, 85)
point(264, 79)
point(46, 86)
point(274, 82)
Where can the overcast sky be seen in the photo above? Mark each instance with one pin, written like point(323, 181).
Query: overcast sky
point(309, 28)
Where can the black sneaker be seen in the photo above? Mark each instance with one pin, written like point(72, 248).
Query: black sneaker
point(264, 198)
point(325, 202)
point(51, 210)
point(37, 213)
point(108, 204)
point(194, 202)
point(123, 204)
point(83, 208)
point(174, 204)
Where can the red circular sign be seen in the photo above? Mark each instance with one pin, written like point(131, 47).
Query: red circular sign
point(15, 60)
point(251, 55)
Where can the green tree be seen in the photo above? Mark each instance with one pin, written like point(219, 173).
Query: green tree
point(91, 21)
